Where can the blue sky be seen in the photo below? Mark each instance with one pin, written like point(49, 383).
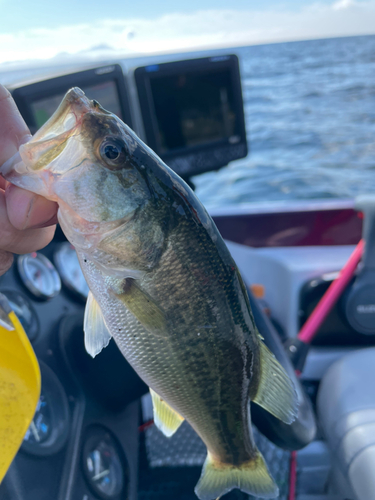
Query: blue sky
point(43, 29)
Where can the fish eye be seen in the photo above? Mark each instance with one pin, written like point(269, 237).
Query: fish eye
point(113, 151)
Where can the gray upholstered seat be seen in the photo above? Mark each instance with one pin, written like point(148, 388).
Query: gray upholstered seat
point(346, 408)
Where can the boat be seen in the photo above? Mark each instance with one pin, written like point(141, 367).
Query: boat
point(92, 435)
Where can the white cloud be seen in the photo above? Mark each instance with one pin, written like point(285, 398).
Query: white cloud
point(178, 31)
point(344, 4)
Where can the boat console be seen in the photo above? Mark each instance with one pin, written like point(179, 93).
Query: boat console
point(85, 441)
point(189, 112)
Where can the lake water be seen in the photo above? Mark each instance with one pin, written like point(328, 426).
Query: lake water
point(310, 118)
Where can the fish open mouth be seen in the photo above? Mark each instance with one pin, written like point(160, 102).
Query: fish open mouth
point(47, 144)
point(52, 138)
point(67, 116)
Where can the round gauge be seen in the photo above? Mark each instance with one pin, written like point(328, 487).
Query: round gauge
point(24, 312)
point(67, 264)
point(103, 464)
point(39, 275)
point(49, 428)
point(40, 427)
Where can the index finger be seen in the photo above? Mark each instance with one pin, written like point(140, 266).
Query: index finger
point(13, 129)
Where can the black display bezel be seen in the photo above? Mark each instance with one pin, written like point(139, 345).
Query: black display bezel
point(142, 77)
point(26, 95)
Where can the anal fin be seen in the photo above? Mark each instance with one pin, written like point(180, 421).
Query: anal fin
point(166, 419)
point(276, 392)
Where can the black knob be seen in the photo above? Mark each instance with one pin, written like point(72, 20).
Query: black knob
point(359, 303)
point(359, 300)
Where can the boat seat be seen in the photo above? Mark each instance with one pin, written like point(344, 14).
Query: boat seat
point(346, 409)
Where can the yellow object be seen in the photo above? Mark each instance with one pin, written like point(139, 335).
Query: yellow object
point(19, 384)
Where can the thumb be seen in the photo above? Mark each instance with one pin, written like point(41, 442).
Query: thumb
point(13, 129)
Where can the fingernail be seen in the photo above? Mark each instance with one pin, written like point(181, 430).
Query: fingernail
point(50, 222)
point(19, 206)
point(40, 212)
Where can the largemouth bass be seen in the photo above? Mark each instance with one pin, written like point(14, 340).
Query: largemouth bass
point(163, 285)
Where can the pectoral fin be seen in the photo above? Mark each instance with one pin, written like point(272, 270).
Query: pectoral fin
point(166, 418)
point(97, 335)
point(143, 307)
point(276, 392)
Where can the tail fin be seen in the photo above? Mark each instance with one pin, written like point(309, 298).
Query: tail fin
point(251, 477)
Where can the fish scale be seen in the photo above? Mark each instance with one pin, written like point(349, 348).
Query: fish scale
point(201, 361)
point(162, 284)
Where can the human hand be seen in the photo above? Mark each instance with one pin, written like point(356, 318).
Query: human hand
point(27, 221)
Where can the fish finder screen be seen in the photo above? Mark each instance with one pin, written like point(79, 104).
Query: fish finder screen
point(105, 93)
point(192, 108)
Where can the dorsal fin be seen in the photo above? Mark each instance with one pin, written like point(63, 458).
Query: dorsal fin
point(97, 335)
point(276, 392)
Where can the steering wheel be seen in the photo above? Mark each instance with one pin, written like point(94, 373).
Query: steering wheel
point(302, 431)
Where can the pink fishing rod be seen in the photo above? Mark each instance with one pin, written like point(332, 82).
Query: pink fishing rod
point(331, 296)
